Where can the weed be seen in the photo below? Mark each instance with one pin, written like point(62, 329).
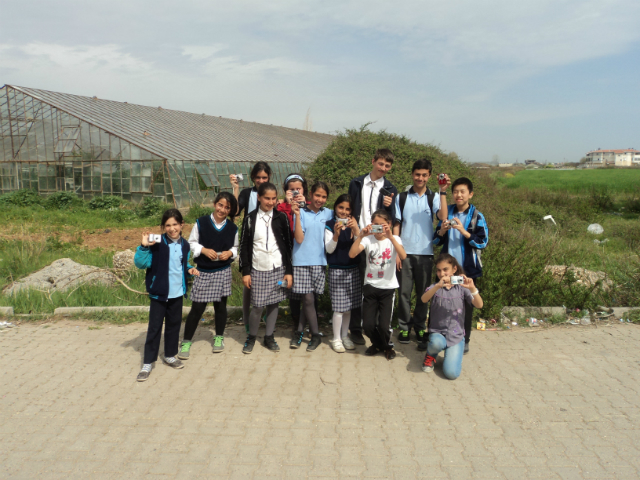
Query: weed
point(62, 201)
point(21, 198)
point(106, 202)
point(94, 328)
point(151, 207)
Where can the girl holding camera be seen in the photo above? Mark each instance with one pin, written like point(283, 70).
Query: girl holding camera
point(309, 260)
point(295, 190)
point(214, 244)
point(167, 267)
point(380, 282)
point(345, 285)
point(446, 320)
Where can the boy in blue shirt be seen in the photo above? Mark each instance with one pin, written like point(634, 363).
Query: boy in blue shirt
point(463, 235)
point(415, 212)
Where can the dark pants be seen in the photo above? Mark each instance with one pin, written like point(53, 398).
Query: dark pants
point(355, 324)
point(415, 269)
point(159, 312)
point(195, 315)
point(468, 314)
point(377, 309)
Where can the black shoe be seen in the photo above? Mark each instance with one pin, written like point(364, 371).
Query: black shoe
point(422, 347)
point(466, 348)
point(248, 345)
point(390, 354)
point(421, 336)
point(371, 351)
point(296, 340)
point(271, 343)
point(403, 336)
point(357, 338)
point(316, 340)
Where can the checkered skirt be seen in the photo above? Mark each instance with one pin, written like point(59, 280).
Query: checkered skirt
point(345, 287)
point(211, 286)
point(264, 287)
point(308, 279)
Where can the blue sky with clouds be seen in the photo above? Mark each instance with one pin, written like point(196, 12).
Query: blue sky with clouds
point(543, 79)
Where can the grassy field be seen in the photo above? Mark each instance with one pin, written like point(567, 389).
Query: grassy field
point(576, 181)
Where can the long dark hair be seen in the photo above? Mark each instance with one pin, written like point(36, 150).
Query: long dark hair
point(319, 185)
point(266, 187)
point(296, 177)
point(231, 200)
point(260, 167)
point(171, 213)
point(451, 260)
point(345, 197)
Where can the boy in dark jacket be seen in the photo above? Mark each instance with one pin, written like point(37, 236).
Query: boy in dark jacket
point(464, 235)
point(369, 193)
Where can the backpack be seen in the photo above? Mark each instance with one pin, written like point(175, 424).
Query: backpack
point(403, 200)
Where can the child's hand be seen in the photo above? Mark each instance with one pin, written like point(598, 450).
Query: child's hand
point(446, 280)
point(145, 240)
point(289, 280)
point(210, 254)
point(246, 280)
point(468, 283)
point(387, 231)
point(366, 231)
point(456, 226)
point(300, 198)
point(295, 208)
point(386, 201)
point(194, 271)
point(398, 263)
point(288, 196)
point(443, 188)
point(353, 225)
point(225, 255)
point(234, 181)
point(337, 228)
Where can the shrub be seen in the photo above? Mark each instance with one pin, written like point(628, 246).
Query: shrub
point(61, 201)
point(600, 199)
point(195, 212)
point(21, 198)
point(632, 204)
point(105, 202)
point(151, 207)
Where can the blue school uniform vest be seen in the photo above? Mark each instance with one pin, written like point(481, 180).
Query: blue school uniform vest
point(340, 256)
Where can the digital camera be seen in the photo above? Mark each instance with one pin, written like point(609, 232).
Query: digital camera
point(239, 176)
point(456, 280)
point(343, 221)
point(155, 238)
point(442, 179)
point(385, 192)
point(295, 193)
point(453, 222)
point(377, 229)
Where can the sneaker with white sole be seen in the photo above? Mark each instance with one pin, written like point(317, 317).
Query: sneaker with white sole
point(428, 364)
point(337, 346)
point(172, 362)
point(143, 376)
point(185, 347)
point(348, 344)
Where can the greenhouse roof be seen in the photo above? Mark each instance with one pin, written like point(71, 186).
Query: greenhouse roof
point(176, 135)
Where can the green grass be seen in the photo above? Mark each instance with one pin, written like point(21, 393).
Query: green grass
point(576, 181)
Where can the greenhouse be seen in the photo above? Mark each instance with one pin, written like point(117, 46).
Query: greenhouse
point(60, 142)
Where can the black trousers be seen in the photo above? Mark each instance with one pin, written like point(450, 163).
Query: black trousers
point(169, 312)
point(415, 269)
point(195, 315)
point(355, 323)
point(468, 314)
point(377, 309)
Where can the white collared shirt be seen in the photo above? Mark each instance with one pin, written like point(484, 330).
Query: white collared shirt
point(194, 239)
point(266, 254)
point(370, 194)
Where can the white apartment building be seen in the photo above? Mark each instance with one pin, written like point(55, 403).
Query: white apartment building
point(619, 158)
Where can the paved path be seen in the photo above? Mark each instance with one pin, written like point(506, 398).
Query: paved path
point(561, 403)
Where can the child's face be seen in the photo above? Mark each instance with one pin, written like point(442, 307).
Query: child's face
point(296, 185)
point(445, 269)
point(260, 178)
point(462, 195)
point(381, 167)
point(173, 228)
point(343, 210)
point(319, 198)
point(268, 200)
point(420, 178)
point(380, 221)
point(222, 209)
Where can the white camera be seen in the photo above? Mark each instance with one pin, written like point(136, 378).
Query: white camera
point(457, 280)
point(155, 238)
point(343, 221)
point(239, 176)
point(377, 229)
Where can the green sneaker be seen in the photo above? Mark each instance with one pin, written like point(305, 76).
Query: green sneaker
point(183, 354)
point(420, 334)
point(218, 344)
point(403, 336)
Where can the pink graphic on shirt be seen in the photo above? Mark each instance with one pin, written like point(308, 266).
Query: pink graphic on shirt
point(386, 255)
point(369, 275)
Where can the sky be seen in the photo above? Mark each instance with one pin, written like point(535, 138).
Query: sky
point(543, 79)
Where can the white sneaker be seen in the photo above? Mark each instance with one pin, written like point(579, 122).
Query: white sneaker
point(337, 346)
point(348, 344)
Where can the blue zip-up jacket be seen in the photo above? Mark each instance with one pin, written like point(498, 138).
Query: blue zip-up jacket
point(471, 262)
point(155, 258)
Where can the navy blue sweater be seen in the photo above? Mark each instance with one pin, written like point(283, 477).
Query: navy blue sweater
point(339, 258)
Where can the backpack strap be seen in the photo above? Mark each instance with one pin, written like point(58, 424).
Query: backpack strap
point(474, 221)
point(430, 196)
point(402, 201)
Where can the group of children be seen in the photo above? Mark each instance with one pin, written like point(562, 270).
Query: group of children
point(374, 241)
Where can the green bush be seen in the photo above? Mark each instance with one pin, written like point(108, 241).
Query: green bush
point(105, 202)
point(632, 204)
point(151, 207)
point(195, 212)
point(62, 201)
point(21, 198)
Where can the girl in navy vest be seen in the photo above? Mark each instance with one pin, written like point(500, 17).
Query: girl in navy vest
point(248, 201)
point(265, 262)
point(214, 244)
point(166, 281)
point(345, 285)
point(309, 260)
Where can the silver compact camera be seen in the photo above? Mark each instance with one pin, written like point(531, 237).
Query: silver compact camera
point(294, 194)
point(239, 176)
point(452, 222)
point(155, 238)
point(377, 229)
point(343, 221)
point(456, 280)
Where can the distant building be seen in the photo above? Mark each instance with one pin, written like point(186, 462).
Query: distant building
point(505, 165)
point(530, 162)
point(619, 158)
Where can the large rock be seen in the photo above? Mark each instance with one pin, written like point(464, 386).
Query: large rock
point(123, 261)
point(587, 278)
point(61, 275)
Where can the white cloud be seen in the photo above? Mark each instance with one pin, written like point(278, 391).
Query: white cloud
point(202, 52)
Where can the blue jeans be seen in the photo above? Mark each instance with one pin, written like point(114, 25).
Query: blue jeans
point(452, 365)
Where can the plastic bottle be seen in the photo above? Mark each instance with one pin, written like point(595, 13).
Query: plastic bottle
point(283, 283)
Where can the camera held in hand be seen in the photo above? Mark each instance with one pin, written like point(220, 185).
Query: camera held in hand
point(342, 221)
point(377, 229)
point(155, 238)
point(457, 280)
point(442, 179)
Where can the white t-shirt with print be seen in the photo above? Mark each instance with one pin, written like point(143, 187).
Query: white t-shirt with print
point(381, 262)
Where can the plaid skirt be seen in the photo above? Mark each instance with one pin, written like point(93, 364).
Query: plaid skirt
point(308, 279)
point(345, 288)
point(265, 289)
point(211, 286)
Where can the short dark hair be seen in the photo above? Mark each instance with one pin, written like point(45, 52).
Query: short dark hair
point(345, 197)
point(451, 260)
point(293, 177)
point(462, 181)
point(231, 200)
point(260, 167)
point(171, 213)
point(266, 187)
point(385, 154)
point(320, 185)
point(382, 214)
point(422, 164)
